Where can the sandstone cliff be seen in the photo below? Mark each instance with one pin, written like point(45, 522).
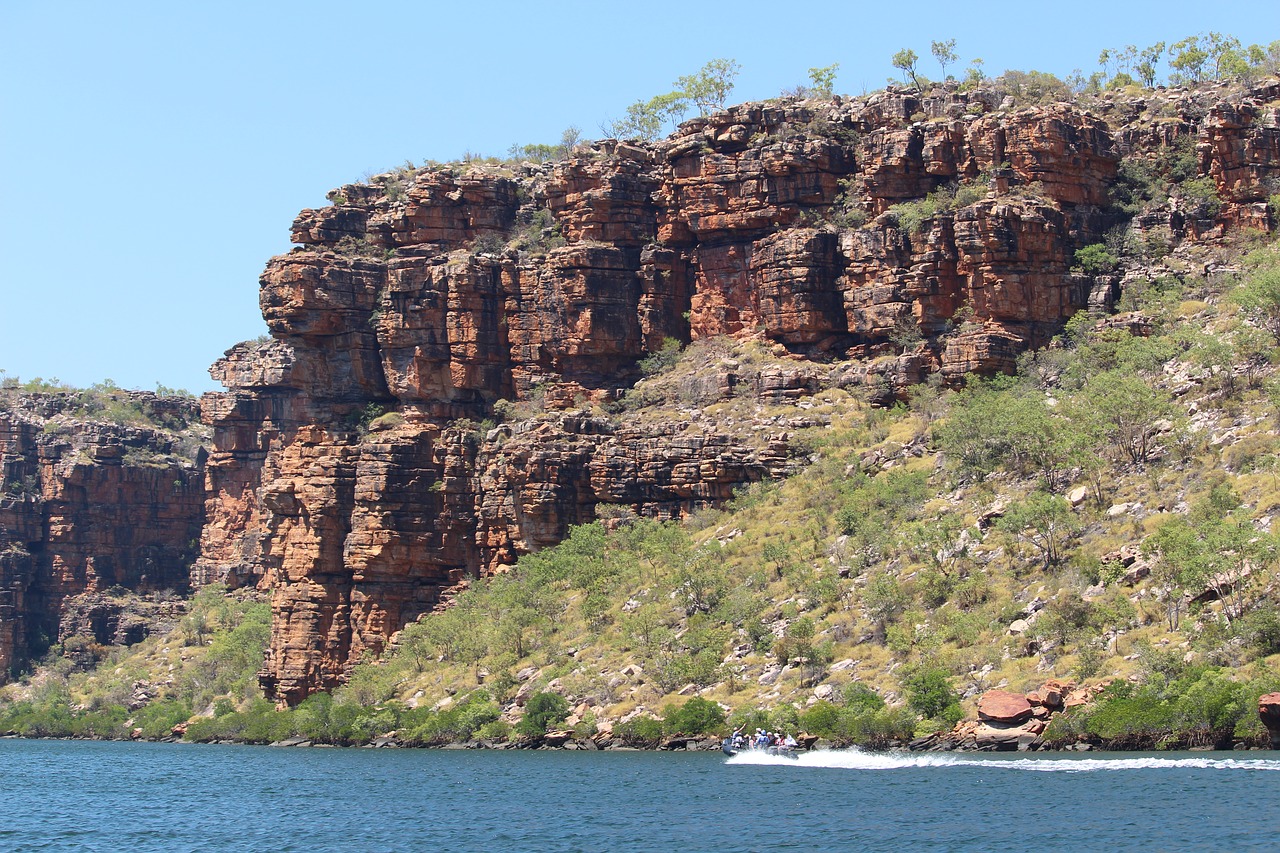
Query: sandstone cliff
point(358, 468)
point(99, 520)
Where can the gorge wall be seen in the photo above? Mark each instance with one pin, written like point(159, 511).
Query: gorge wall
point(99, 521)
point(451, 375)
point(529, 294)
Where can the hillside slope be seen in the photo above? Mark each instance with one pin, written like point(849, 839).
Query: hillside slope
point(738, 369)
point(870, 242)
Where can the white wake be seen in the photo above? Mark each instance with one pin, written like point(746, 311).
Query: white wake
point(856, 759)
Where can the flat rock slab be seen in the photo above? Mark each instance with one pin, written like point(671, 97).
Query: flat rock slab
point(1001, 706)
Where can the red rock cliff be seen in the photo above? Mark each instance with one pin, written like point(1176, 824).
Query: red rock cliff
point(88, 507)
point(529, 293)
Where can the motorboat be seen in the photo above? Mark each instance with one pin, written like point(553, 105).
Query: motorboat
point(728, 748)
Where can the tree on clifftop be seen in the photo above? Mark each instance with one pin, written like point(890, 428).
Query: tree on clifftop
point(824, 78)
point(707, 90)
point(945, 53)
point(710, 87)
point(905, 60)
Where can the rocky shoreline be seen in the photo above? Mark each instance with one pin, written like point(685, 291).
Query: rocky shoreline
point(1008, 721)
point(929, 743)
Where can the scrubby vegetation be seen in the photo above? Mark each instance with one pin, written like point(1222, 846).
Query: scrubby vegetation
point(862, 602)
point(209, 663)
point(167, 408)
point(1104, 515)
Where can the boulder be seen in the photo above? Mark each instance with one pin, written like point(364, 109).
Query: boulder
point(1048, 695)
point(1269, 711)
point(997, 737)
point(557, 738)
point(1001, 706)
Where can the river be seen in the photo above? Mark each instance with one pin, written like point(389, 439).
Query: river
point(91, 796)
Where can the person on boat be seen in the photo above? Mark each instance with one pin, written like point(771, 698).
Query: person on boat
point(789, 742)
point(762, 739)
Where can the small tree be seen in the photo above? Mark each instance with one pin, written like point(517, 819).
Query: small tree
point(974, 75)
point(824, 78)
point(905, 61)
point(884, 600)
point(540, 712)
point(1226, 53)
point(710, 87)
point(1148, 60)
point(642, 121)
point(1188, 58)
point(695, 717)
point(929, 694)
point(1260, 298)
point(1095, 259)
point(945, 53)
point(1127, 411)
point(1209, 549)
point(707, 90)
point(1044, 522)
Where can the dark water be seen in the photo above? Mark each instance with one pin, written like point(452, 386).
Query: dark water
point(60, 795)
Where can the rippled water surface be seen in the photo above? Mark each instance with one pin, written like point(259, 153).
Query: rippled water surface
point(65, 795)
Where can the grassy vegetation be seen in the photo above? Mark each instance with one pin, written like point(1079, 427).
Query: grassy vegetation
point(209, 661)
point(859, 600)
point(870, 597)
point(107, 402)
point(908, 575)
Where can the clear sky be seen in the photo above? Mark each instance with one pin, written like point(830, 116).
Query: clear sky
point(154, 154)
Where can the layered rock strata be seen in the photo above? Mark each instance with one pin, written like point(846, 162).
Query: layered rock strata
point(88, 507)
point(892, 237)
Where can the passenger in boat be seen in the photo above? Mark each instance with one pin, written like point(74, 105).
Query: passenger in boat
point(789, 742)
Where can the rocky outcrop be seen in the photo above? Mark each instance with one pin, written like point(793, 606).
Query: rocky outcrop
point(1008, 720)
point(1269, 712)
point(892, 237)
point(1001, 706)
point(90, 506)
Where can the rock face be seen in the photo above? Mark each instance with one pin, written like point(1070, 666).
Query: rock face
point(1001, 706)
point(1008, 721)
point(1269, 711)
point(529, 294)
point(89, 506)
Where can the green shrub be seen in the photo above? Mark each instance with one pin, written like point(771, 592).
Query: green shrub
point(666, 357)
point(539, 234)
point(259, 722)
point(864, 722)
point(1095, 259)
point(158, 718)
point(696, 716)
point(541, 711)
point(640, 731)
point(929, 693)
point(822, 719)
point(386, 421)
point(1202, 193)
point(494, 730)
point(911, 216)
point(1204, 706)
point(1031, 87)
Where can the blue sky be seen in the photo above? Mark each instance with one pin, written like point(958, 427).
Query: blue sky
point(153, 155)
